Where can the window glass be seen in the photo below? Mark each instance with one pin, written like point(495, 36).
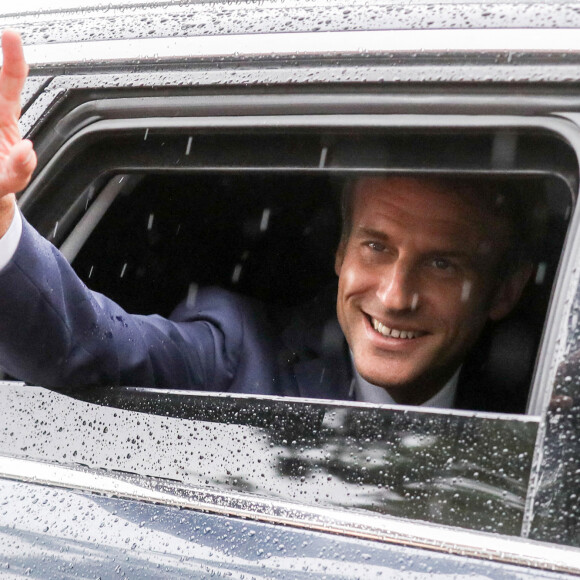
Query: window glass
point(457, 469)
point(556, 510)
point(272, 237)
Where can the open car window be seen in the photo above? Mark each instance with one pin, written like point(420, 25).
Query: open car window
point(255, 210)
point(150, 209)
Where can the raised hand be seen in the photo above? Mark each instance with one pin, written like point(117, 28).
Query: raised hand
point(17, 157)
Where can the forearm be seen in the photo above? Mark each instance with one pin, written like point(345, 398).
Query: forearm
point(55, 332)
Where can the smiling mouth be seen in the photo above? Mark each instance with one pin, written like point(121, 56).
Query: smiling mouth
point(394, 332)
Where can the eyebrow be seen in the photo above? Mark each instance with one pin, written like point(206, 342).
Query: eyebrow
point(363, 231)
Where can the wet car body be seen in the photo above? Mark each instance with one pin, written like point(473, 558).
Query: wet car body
point(157, 483)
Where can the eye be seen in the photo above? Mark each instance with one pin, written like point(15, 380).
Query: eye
point(376, 246)
point(443, 265)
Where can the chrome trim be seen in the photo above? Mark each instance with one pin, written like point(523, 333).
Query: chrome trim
point(368, 42)
point(357, 524)
point(419, 410)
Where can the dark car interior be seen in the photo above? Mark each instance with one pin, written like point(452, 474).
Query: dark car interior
point(267, 236)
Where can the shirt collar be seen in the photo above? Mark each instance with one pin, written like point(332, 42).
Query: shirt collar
point(366, 392)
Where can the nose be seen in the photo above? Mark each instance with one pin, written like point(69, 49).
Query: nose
point(397, 291)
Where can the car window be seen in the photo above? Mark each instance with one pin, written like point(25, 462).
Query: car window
point(272, 237)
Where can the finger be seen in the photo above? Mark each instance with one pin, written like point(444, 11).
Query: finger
point(19, 168)
point(23, 161)
point(23, 154)
point(14, 67)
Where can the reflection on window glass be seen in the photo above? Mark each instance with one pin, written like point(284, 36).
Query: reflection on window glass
point(556, 508)
point(460, 469)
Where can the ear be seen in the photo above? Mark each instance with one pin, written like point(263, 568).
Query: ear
point(509, 291)
point(339, 257)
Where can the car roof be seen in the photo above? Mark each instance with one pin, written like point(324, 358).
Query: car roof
point(163, 18)
point(169, 30)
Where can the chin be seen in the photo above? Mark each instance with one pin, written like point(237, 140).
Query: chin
point(388, 381)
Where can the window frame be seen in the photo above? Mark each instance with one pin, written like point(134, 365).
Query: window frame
point(88, 128)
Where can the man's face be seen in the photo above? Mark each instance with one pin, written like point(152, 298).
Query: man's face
point(417, 282)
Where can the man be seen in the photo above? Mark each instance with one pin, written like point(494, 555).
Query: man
point(421, 269)
point(420, 265)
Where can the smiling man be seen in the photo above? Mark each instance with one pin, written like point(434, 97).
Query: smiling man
point(422, 268)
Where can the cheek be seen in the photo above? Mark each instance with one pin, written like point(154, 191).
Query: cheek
point(349, 279)
point(466, 299)
point(465, 310)
point(455, 304)
point(353, 280)
point(478, 294)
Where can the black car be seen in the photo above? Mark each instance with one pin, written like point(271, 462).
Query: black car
point(187, 144)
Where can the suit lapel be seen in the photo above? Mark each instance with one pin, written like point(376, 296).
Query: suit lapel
point(316, 354)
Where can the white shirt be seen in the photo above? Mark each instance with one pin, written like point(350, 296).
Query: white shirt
point(366, 392)
point(9, 241)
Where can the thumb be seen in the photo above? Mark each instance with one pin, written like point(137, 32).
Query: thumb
point(18, 168)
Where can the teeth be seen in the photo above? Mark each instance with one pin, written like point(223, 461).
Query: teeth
point(392, 332)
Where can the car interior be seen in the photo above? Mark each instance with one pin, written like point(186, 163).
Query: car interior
point(272, 237)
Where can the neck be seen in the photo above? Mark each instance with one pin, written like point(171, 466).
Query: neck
point(439, 395)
